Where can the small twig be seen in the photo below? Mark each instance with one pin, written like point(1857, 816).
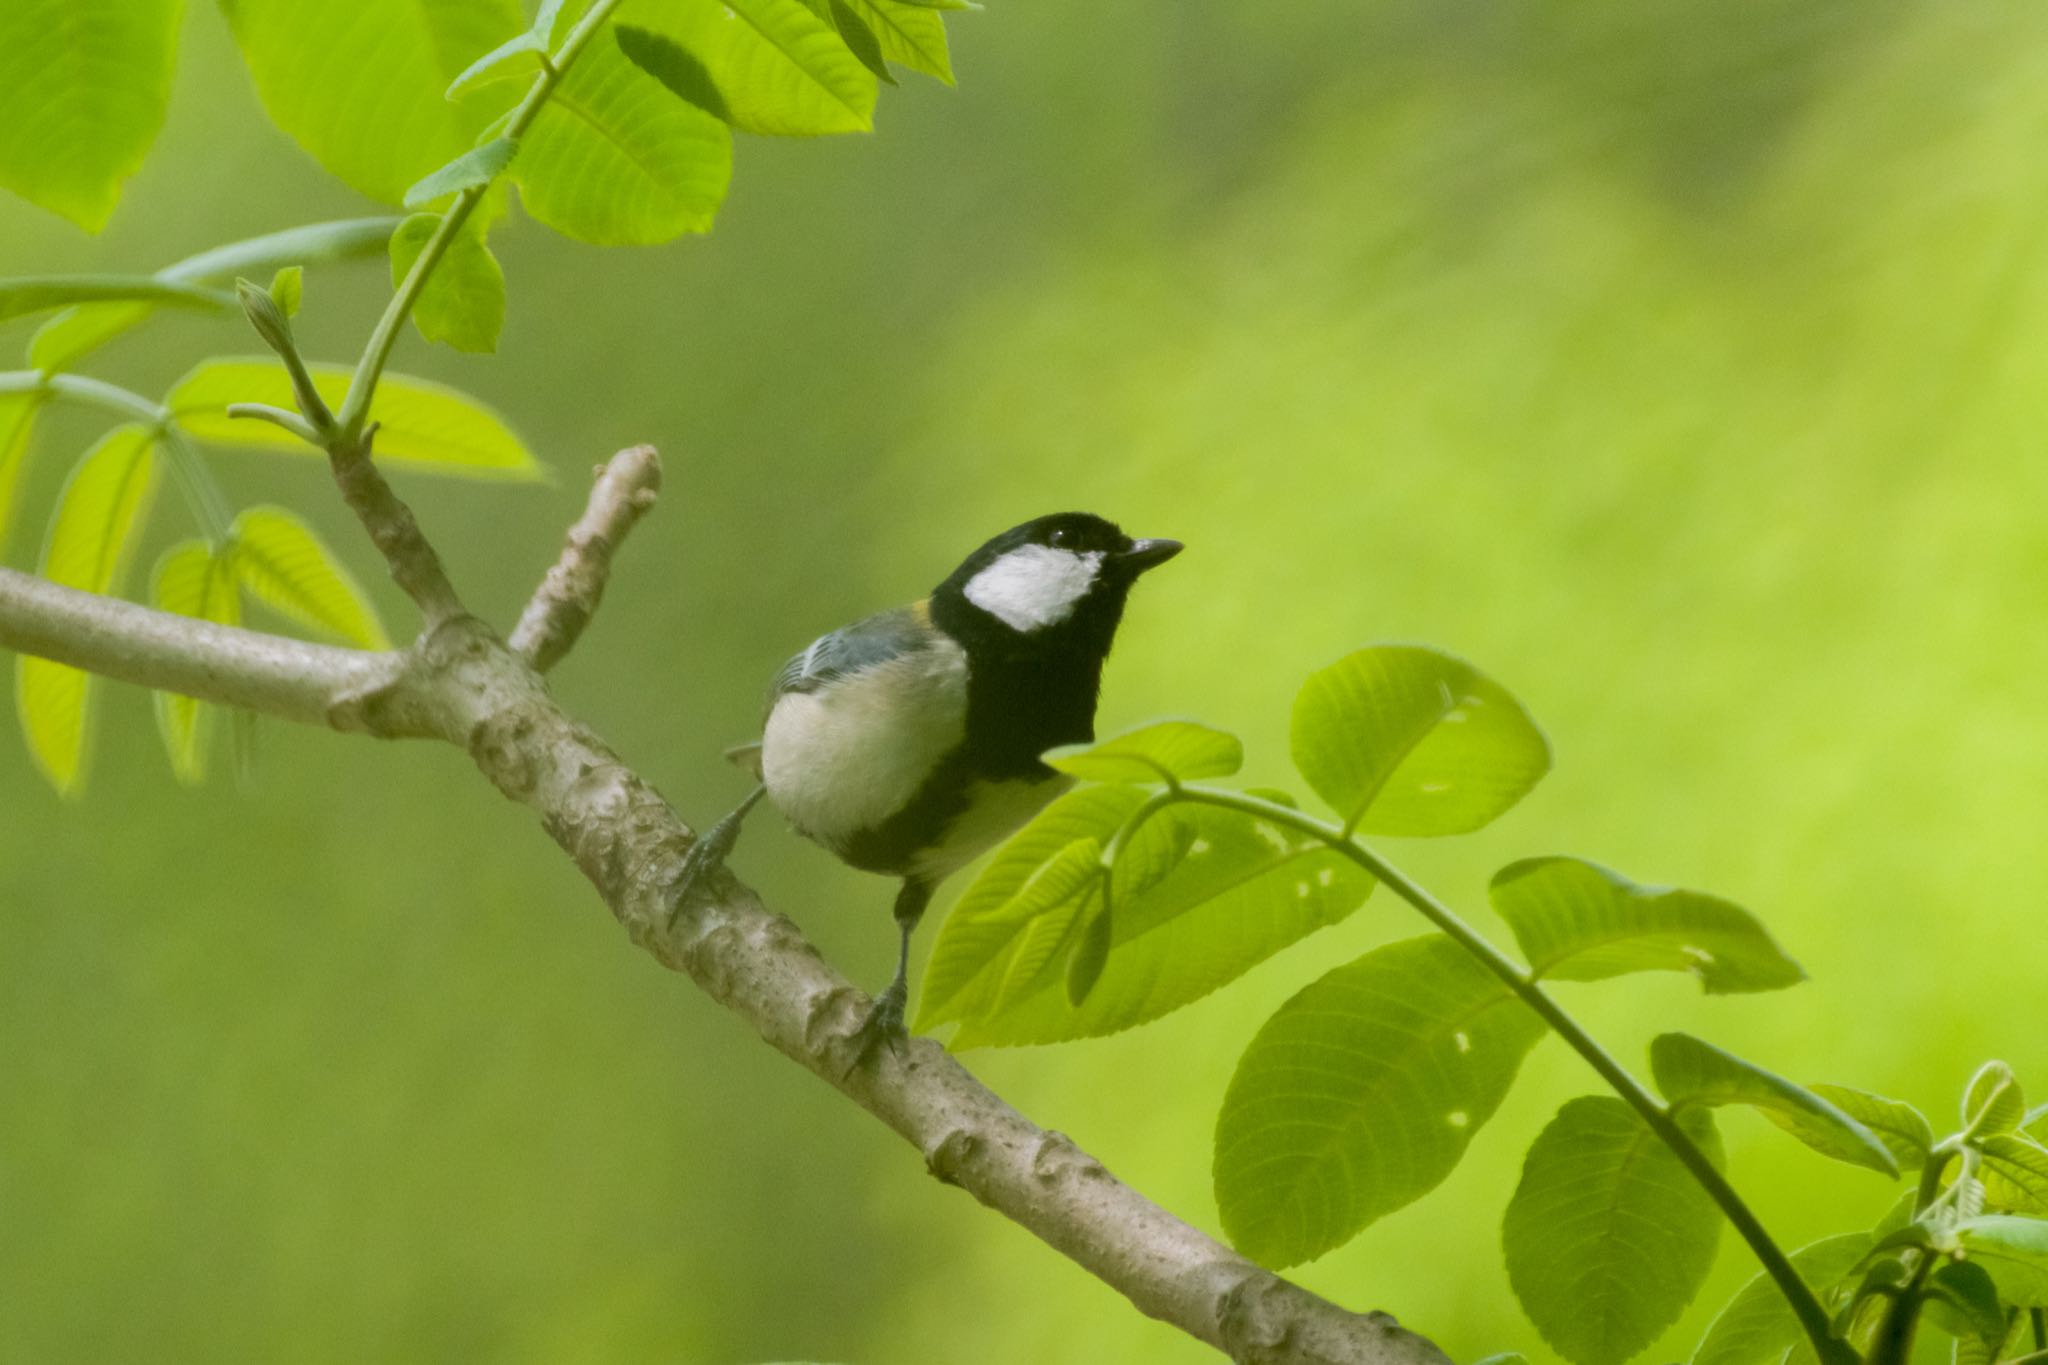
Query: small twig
point(414, 565)
point(567, 598)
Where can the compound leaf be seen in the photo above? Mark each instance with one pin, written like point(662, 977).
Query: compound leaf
point(1758, 1327)
point(279, 560)
point(1607, 1236)
point(420, 423)
point(1167, 750)
point(779, 65)
point(191, 580)
point(1691, 1072)
point(91, 537)
point(1405, 740)
point(1577, 921)
point(1360, 1094)
point(17, 424)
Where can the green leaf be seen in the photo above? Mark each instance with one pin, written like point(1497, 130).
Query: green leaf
point(1360, 1094)
point(911, 35)
point(361, 86)
point(1164, 751)
point(1607, 1236)
point(2014, 1249)
point(191, 580)
point(477, 166)
point(1758, 1327)
point(1963, 1302)
point(860, 40)
point(2014, 1169)
point(1992, 1103)
point(780, 67)
point(288, 289)
point(77, 332)
point(1045, 910)
point(1898, 1125)
point(420, 423)
point(288, 568)
point(92, 535)
point(614, 158)
point(17, 424)
point(83, 86)
point(39, 293)
point(1091, 953)
point(1239, 891)
point(463, 302)
point(1576, 921)
point(513, 58)
point(1404, 740)
point(1691, 1072)
point(664, 59)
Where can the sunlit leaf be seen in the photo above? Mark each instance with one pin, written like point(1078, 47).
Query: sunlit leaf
point(859, 39)
point(1360, 1094)
point(1694, 1073)
point(38, 293)
point(288, 289)
point(477, 166)
point(77, 332)
point(288, 568)
point(1992, 1102)
point(2014, 1169)
point(361, 85)
point(191, 580)
point(1179, 750)
point(519, 56)
point(1607, 1236)
point(92, 535)
point(1898, 1125)
point(615, 158)
point(779, 66)
point(1408, 741)
point(661, 57)
point(420, 423)
point(1199, 895)
point(912, 36)
point(83, 87)
point(1576, 921)
point(1045, 910)
point(2014, 1249)
point(1758, 1327)
point(17, 424)
point(463, 301)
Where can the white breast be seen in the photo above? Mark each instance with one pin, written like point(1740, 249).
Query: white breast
point(845, 758)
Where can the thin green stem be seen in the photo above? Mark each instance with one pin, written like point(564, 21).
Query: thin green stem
point(1893, 1344)
point(1930, 1178)
point(362, 387)
point(1813, 1318)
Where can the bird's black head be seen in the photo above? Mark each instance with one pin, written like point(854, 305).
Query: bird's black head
point(1062, 577)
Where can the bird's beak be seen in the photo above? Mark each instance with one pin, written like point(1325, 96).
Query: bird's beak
point(1143, 554)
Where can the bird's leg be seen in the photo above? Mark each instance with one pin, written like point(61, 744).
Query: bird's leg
point(708, 852)
point(884, 1022)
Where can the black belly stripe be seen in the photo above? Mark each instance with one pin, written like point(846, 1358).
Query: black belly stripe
point(918, 824)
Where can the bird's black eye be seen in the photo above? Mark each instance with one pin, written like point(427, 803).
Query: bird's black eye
point(1060, 539)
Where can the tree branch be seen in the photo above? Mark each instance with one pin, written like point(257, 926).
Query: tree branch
point(567, 598)
point(414, 565)
point(461, 684)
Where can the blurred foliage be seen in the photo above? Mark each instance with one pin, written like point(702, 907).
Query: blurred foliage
point(1680, 362)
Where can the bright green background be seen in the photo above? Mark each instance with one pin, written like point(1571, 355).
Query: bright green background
point(1681, 364)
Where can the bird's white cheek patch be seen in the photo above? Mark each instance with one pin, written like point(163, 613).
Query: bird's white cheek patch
point(1034, 587)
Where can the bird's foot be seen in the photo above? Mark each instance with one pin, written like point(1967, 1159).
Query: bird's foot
point(883, 1027)
point(704, 857)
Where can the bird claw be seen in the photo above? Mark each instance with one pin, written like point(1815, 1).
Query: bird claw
point(702, 858)
point(882, 1026)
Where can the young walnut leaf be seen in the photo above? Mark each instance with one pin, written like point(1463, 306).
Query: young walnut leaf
point(2014, 1249)
point(912, 36)
point(1404, 740)
point(419, 423)
point(92, 534)
point(1693, 1073)
point(1360, 1094)
point(1197, 896)
point(2014, 1169)
point(779, 66)
point(1992, 1102)
point(1899, 1126)
point(83, 88)
point(1577, 921)
point(1164, 751)
point(192, 580)
point(463, 301)
point(616, 159)
point(1758, 1327)
point(17, 423)
point(1608, 1237)
point(286, 567)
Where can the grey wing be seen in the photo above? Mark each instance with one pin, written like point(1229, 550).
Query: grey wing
point(852, 649)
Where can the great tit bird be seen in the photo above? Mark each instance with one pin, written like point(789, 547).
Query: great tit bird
point(908, 743)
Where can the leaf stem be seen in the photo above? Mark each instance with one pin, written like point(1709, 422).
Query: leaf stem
point(355, 408)
point(1813, 1318)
